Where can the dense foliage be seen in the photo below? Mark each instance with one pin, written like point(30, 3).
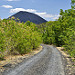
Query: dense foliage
point(18, 37)
point(61, 32)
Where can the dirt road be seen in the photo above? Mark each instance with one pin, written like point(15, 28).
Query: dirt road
point(47, 62)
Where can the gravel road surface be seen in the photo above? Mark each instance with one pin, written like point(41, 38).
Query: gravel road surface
point(47, 62)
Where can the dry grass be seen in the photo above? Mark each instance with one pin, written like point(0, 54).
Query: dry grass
point(15, 59)
point(70, 64)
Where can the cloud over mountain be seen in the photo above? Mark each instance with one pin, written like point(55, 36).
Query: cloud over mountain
point(42, 14)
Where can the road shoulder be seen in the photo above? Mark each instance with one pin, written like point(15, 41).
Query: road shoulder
point(12, 61)
point(69, 65)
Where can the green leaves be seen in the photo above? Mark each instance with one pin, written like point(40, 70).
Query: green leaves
point(18, 37)
point(62, 31)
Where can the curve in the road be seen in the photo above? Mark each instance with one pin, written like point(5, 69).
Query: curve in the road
point(47, 62)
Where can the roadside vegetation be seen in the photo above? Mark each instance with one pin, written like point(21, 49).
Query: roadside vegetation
point(18, 38)
point(62, 31)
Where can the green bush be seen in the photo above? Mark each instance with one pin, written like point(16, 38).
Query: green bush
point(18, 37)
point(61, 32)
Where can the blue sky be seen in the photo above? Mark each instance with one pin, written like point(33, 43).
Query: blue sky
point(48, 9)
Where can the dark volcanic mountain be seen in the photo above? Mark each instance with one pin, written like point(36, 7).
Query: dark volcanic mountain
point(27, 16)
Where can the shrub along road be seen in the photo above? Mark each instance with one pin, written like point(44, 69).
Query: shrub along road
point(47, 62)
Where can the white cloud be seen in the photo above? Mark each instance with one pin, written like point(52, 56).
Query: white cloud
point(12, 0)
point(22, 9)
point(42, 14)
point(7, 6)
point(56, 17)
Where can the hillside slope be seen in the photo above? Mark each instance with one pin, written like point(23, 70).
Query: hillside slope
point(27, 16)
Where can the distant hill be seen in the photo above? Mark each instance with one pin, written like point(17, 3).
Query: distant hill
point(24, 16)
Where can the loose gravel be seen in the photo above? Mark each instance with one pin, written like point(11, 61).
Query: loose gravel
point(47, 62)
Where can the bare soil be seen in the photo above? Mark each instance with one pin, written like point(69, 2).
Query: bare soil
point(69, 64)
point(46, 62)
point(13, 60)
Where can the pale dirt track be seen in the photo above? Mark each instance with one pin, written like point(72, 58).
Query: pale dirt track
point(47, 62)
